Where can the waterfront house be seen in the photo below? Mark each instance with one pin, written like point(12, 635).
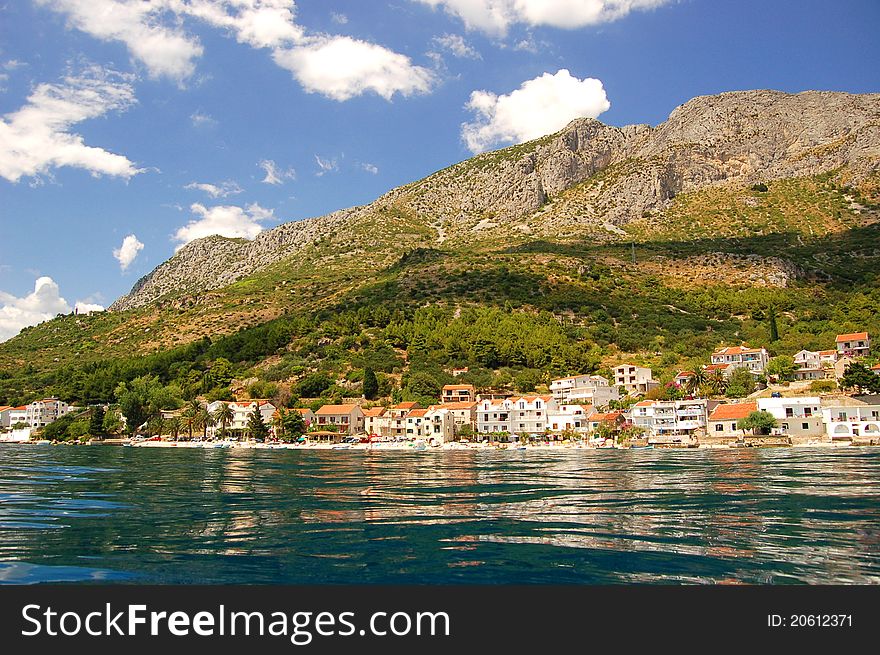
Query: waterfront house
point(725, 418)
point(753, 359)
point(397, 418)
point(307, 414)
point(41, 413)
point(462, 413)
point(846, 418)
point(855, 344)
point(585, 389)
point(438, 424)
point(453, 393)
point(569, 417)
point(377, 422)
point(241, 417)
point(517, 415)
point(4, 416)
point(670, 420)
point(795, 417)
point(616, 420)
point(636, 380)
point(346, 418)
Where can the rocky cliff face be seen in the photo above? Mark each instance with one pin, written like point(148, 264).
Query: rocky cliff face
point(588, 176)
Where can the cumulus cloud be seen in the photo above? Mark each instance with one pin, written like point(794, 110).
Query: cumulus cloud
point(338, 67)
point(496, 16)
point(457, 46)
point(145, 28)
point(44, 303)
point(221, 190)
point(341, 67)
point(339, 19)
point(224, 220)
point(370, 168)
point(126, 253)
point(274, 174)
point(36, 138)
point(538, 107)
point(87, 307)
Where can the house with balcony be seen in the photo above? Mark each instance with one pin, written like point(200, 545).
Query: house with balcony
point(433, 424)
point(848, 418)
point(809, 365)
point(725, 419)
point(454, 393)
point(753, 359)
point(462, 414)
point(569, 417)
point(795, 417)
point(241, 417)
point(345, 418)
point(41, 413)
point(669, 421)
point(584, 389)
point(635, 380)
point(855, 344)
point(514, 416)
point(683, 378)
point(397, 418)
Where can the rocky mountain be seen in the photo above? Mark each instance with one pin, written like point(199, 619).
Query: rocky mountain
point(589, 178)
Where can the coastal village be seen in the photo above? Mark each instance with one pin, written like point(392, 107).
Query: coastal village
point(632, 410)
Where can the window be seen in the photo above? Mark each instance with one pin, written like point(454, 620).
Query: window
point(733, 426)
point(719, 427)
point(785, 426)
point(789, 412)
point(538, 404)
point(805, 426)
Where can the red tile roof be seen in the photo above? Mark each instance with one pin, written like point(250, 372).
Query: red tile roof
point(374, 411)
point(855, 336)
point(733, 411)
point(458, 387)
point(336, 409)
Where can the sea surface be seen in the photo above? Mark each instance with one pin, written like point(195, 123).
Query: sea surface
point(141, 515)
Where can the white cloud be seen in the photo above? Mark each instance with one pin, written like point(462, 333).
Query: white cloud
point(496, 16)
point(35, 138)
point(224, 220)
point(538, 107)
point(126, 253)
point(341, 67)
point(221, 190)
point(275, 175)
point(455, 44)
point(83, 307)
point(339, 19)
point(44, 303)
point(150, 33)
point(370, 168)
point(326, 165)
point(201, 119)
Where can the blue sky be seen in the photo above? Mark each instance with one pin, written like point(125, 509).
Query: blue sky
point(130, 127)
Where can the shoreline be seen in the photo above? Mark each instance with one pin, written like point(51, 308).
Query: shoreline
point(452, 446)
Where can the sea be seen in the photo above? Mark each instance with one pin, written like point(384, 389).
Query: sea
point(105, 514)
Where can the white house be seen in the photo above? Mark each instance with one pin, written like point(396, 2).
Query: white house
point(586, 389)
point(526, 414)
point(377, 422)
point(569, 417)
point(41, 413)
point(670, 419)
point(434, 423)
point(397, 418)
point(453, 393)
point(463, 414)
point(811, 364)
point(796, 417)
point(754, 359)
point(634, 379)
point(241, 416)
point(846, 417)
point(855, 344)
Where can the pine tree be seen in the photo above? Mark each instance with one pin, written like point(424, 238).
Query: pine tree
point(774, 329)
point(256, 426)
point(96, 424)
point(371, 384)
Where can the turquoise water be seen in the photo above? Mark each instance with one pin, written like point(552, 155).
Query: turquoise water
point(138, 515)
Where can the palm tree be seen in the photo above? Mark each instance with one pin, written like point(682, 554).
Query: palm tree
point(191, 414)
point(696, 381)
point(717, 382)
point(224, 415)
point(174, 425)
point(206, 420)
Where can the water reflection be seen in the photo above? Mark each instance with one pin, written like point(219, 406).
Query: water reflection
point(753, 516)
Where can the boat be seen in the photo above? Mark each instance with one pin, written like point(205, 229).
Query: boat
point(420, 445)
point(648, 447)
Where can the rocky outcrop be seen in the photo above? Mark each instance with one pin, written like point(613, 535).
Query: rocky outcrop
point(588, 173)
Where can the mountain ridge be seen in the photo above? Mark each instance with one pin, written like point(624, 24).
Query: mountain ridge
point(589, 178)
